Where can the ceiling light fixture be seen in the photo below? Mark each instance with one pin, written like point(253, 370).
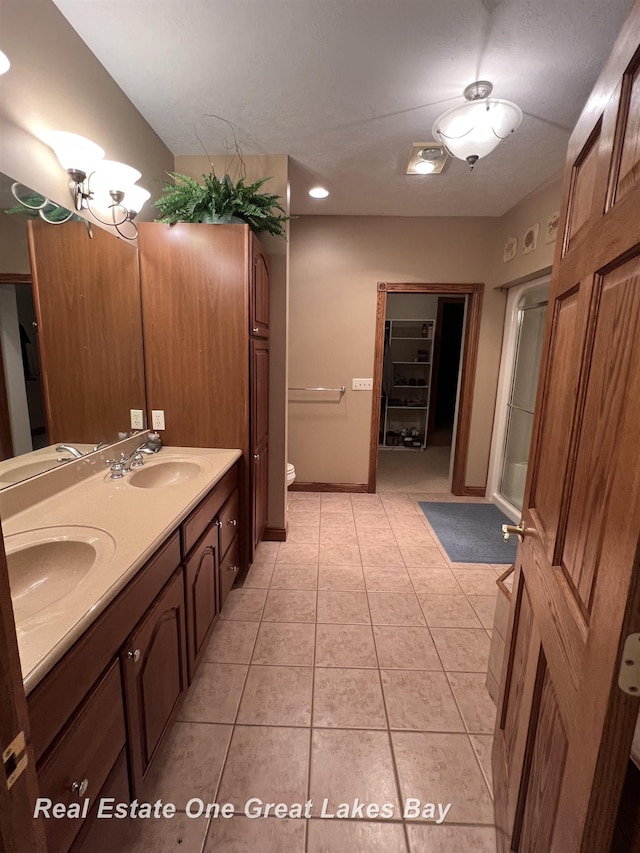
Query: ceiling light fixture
point(318, 192)
point(475, 129)
point(98, 185)
point(5, 65)
point(426, 158)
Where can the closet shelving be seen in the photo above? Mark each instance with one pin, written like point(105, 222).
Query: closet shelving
point(405, 401)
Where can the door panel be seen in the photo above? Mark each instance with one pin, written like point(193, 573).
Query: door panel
point(259, 392)
point(259, 298)
point(564, 727)
point(200, 573)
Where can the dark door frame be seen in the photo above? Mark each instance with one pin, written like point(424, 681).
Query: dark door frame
point(474, 292)
point(6, 441)
point(437, 341)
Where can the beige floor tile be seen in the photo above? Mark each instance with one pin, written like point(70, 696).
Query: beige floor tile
point(343, 607)
point(330, 535)
point(348, 698)
point(259, 575)
point(362, 499)
point(350, 763)
point(340, 554)
point(421, 701)
point(290, 605)
point(266, 552)
point(452, 839)
point(483, 747)
point(290, 576)
point(303, 535)
point(181, 833)
point(371, 536)
point(485, 607)
point(380, 555)
point(245, 605)
point(277, 695)
point(419, 536)
point(340, 577)
point(189, 763)
point(303, 516)
point(231, 642)
point(371, 521)
point(214, 694)
point(387, 579)
point(448, 611)
point(476, 581)
point(476, 706)
point(355, 836)
point(442, 768)
point(407, 521)
point(247, 835)
point(331, 519)
point(285, 644)
point(405, 648)
point(299, 554)
point(297, 497)
point(423, 555)
point(268, 762)
point(438, 581)
point(395, 608)
point(335, 502)
point(462, 649)
point(345, 645)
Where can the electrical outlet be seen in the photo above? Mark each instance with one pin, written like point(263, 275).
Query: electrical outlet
point(157, 418)
point(137, 419)
point(362, 385)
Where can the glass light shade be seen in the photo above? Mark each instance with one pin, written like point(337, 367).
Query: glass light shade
point(135, 198)
point(318, 192)
point(424, 167)
point(477, 128)
point(73, 151)
point(111, 175)
point(5, 65)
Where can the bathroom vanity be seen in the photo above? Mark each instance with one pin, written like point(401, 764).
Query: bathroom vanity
point(107, 659)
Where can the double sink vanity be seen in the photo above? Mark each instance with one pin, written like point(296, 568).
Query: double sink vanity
point(116, 580)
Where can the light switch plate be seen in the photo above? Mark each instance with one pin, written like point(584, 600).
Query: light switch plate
point(157, 418)
point(137, 419)
point(362, 384)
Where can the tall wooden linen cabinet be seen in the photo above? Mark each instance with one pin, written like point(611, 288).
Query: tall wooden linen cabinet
point(205, 316)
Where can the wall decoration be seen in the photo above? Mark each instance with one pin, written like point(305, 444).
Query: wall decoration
point(552, 227)
point(530, 239)
point(510, 249)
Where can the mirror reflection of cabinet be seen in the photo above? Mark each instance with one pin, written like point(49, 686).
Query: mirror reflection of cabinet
point(87, 301)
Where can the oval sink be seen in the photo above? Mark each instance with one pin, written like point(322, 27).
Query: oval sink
point(46, 565)
point(170, 473)
point(29, 469)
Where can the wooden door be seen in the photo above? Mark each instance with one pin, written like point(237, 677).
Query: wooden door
point(19, 833)
point(200, 573)
point(154, 664)
point(564, 727)
point(259, 437)
point(259, 295)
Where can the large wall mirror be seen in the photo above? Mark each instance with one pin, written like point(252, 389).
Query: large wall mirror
point(71, 357)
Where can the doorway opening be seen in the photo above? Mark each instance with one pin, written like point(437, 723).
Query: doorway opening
point(426, 351)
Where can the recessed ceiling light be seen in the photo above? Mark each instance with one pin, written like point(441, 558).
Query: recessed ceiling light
point(4, 63)
point(318, 192)
point(426, 158)
point(424, 167)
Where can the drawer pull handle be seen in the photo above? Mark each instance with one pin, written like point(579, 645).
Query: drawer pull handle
point(255, 330)
point(233, 522)
point(218, 523)
point(232, 568)
point(80, 788)
point(256, 456)
point(134, 655)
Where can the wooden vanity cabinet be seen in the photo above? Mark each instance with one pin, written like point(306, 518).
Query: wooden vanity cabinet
point(201, 592)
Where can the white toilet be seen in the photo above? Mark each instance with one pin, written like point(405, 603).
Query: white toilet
point(291, 474)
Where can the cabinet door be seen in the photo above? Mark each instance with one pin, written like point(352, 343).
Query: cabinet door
point(154, 663)
point(200, 594)
point(260, 492)
point(102, 835)
point(259, 292)
point(229, 570)
point(259, 393)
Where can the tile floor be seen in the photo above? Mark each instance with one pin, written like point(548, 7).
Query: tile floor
point(351, 664)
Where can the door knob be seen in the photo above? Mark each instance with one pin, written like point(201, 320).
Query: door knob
point(80, 788)
point(518, 529)
point(256, 456)
point(134, 656)
point(233, 522)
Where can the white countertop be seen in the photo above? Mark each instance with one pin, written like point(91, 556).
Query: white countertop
point(135, 522)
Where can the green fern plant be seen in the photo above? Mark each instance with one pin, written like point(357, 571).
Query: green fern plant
point(221, 200)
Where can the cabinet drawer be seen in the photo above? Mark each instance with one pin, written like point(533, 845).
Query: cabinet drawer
point(202, 516)
point(229, 522)
point(201, 596)
point(229, 570)
point(86, 750)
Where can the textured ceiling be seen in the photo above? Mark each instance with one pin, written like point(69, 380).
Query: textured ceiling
point(345, 87)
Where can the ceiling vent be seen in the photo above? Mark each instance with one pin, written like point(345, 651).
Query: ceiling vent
point(426, 158)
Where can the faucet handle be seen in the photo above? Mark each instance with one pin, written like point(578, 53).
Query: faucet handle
point(117, 471)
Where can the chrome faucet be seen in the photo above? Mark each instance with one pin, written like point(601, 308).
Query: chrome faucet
point(66, 448)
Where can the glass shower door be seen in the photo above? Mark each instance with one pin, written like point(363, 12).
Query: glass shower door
point(531, 321)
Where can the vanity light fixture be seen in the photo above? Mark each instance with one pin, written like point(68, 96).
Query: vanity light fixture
point(318, 192)
point(103, 187)
point(5, 65)
point(476, 128)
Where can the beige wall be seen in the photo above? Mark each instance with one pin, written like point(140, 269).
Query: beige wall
point(275, 166)
point(56, 83)
point(336, 263)
point(536, 207)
